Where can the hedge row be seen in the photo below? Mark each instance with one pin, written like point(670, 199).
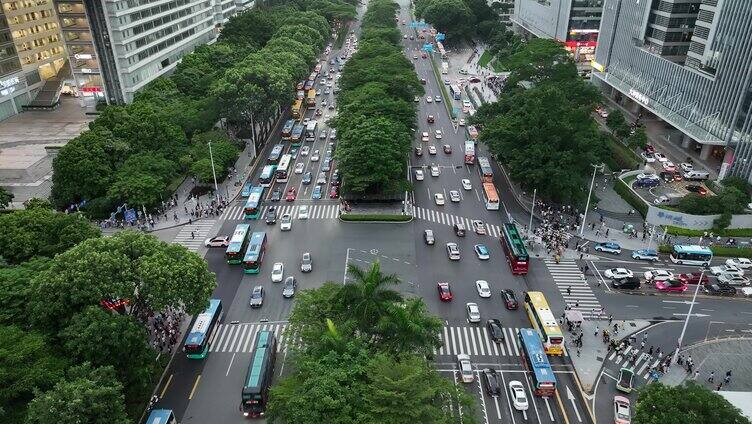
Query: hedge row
point(728, 232)
point(622, 156)
point(627, 194)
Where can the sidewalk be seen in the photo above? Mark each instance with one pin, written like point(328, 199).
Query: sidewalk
point(717, 356)
point(588, 360)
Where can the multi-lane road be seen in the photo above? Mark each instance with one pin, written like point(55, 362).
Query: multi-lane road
point(209, 390)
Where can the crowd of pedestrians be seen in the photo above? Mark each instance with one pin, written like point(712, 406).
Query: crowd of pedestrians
point(553, 231)
point(164, 329)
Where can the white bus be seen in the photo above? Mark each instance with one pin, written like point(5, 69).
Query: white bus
point(283, 168)
point(691, 255)
point(310, 131)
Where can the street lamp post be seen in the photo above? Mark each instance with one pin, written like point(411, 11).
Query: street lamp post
point(590, 193)
point(686, 320)
point(532, 209)
point(214, 174)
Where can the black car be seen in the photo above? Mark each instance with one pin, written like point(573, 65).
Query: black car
point(510, 301)
point(276, 195)
point(491, 381)
point(271, 215)
point(307, 178)
point(494, 329)
point(719, 289)
point(626, 283)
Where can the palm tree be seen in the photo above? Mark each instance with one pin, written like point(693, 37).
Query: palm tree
point(408, 328)
point(367, 297)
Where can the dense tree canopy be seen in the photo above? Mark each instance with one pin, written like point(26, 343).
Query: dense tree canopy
point(5, 197)
point(689, 403)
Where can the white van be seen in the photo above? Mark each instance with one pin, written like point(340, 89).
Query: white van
point(696, 175)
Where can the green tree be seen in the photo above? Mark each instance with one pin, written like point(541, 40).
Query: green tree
point(25, 234)
point(732, 200)
point(137, 190)
point(639, 139)
point(196, 72)
point(689, 403)
point(131, 265)
point(16, 291)
point(739, 183)
point(89, 338)
point(540, 60)
point(369, 294)
point(250, 29)
point(617, 123)
point(27, 362)
point(88, 395)
point(36, 202)
point(451, 17)
point(5, 197)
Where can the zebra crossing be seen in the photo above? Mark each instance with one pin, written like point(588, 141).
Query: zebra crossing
point(574, 287)
point(239, 338)
point(449, 219)
point(200, 229)
point(322, 211)
point(475, 340)
point(642, 364)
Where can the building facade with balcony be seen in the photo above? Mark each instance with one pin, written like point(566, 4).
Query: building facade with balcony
point(574, 23)
point(13, 87)
point(689, 64)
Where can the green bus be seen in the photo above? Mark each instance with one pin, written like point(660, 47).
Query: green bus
point(260, 373)
point(255, 253)
point(238, 243)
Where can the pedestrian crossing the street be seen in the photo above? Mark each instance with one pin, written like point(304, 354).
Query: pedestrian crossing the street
point(449, 219)
point(323, 211)
point(642, 364)
point(239, 338)
point(475, 340)
point(200, 229)
point(574, 288)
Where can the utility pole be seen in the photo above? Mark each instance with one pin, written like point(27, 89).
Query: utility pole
point(590, 193)
point(686, 320)
point(214, 174)
point(530, 227)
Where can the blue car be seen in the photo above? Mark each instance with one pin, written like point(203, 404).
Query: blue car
point(307, 178)
point(316, 192)
point(608, 248)
point(294, 153)
point(645, 255)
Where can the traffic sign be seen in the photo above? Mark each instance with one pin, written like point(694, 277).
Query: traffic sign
point(428, 47)
point(129, 215)
point(440, 36)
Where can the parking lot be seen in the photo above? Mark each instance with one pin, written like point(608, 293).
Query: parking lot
point(669, 187)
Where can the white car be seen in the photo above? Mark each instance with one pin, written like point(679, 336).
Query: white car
point(306, 262)
point(322, 134)
point(658, 275)
point(686, 167)
point(437, 99)
point(453, 251)
point(660, 157)
point(466, 184)
point(315, 156)
point(417, 98)
point(303, 212)
point(333, 132)
point(726, 269)
point(304, 150)
point(454, 196)
point(473, 312)
point(429, 99)
point(278, 272)
point(218, 241)
point(439, 199)
point(648, 157)
point(419, 175)
point(484, 290)
point(466, 368)
point(615, 273)
point(741, 263)
point(286, 222)
point(462, 122)
point(432, 150)
point(517, 393)
point(434, 171)
point(733, 279)
point(438, 134)
point(644, 176)
point(299, 167)
point(424, 136)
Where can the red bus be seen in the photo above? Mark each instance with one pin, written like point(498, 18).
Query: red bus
point(514, 249)
point(469, 152)
point(484, 170)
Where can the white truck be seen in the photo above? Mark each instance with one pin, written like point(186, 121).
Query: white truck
point(444, 68)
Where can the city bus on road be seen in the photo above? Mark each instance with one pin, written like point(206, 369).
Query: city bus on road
point(297, 109)
point(484, 169)
point(197, 342)
point(472, 132)
point(469, 152)
point(267, 175)
point(310, 131)
point(544, 322)
point(311, 99)
point(161, 416)
point(281, 173)
point(252, 208)
point(309, 86)
point(258, 379)
point(254, 256)
point(455, 91)
point(313, 76)
point(691, 255)
point(238, 243)
point(296, 139)
point(514, 249)
point(490, 197)
point(287, 129)
point(246, 189)
point(275, 154)
point(536, 362)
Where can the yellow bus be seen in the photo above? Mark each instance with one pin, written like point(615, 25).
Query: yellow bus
point(297, 109)
point(544, 322)
point(311, 99)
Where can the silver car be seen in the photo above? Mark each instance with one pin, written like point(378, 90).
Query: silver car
point(306, 264)
point(257, 297)
point(473, 312)
point(288, 290)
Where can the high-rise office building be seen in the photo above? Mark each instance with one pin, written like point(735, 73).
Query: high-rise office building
point(12, 82)
point(574, 23)
point(688, 64)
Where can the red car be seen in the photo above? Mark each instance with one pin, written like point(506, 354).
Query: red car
point(334, 192)
point(423, 55)
point(649, 149)
point(445, 292)
point(291, 194)
point(693, 278)
point(510, 301)
point(671, 286)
